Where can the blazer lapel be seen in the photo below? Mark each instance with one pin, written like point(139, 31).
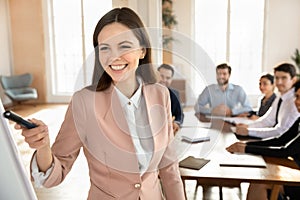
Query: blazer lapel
point(112, 121)
point(115, 119)
point(158, 121)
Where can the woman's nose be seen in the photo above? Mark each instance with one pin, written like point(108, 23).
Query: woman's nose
point(115, 54)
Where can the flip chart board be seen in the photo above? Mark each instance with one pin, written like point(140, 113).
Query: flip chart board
point(14, 182)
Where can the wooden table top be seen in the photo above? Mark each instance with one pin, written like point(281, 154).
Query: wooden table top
point(277, 171)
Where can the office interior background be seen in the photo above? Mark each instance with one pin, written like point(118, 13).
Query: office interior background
point(52, 39)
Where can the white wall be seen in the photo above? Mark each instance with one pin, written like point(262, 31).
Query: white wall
point(189, 56)
point(6, 64)
point(282, 32)
point(5, 50)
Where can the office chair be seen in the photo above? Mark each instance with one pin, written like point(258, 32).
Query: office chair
point(17, 87)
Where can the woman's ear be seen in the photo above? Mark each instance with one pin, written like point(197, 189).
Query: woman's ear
point(143, 53)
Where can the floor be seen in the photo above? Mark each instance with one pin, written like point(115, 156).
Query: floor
point(76, 185)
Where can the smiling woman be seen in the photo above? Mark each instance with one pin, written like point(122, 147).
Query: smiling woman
point(122, 44)
point(125, 117)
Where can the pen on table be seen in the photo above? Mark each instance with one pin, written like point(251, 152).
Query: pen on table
point(241, 165)
point(231, 122)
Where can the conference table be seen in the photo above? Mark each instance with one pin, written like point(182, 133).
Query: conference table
point(224, 168)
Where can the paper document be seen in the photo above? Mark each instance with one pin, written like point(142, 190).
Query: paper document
point(190, 120)
point(242, 160)
point(238, 120)
point(232, 120)
point(195, 140)
point(233, 129)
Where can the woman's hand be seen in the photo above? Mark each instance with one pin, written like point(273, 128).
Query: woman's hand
point(38, 138)
point(176, 127)
point(238, 147)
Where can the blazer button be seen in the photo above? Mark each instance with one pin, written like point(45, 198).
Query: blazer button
point(137, 185)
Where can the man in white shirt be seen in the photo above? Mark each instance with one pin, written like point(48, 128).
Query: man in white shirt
point(283, 111)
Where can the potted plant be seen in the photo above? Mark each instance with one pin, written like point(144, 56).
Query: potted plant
point(296, 58)
point(169, 21)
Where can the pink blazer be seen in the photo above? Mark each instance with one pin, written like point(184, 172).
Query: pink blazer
point(95, 121)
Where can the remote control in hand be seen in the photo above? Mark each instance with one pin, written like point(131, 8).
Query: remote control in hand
point(19, 120)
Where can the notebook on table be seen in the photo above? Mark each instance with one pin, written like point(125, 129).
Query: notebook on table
point(191, 162)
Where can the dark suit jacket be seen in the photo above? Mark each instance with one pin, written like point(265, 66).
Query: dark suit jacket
point(288, 144)
point(283, 146)
point(176, 106)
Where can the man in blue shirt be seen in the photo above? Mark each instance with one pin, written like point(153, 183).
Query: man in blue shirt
point(224, 98)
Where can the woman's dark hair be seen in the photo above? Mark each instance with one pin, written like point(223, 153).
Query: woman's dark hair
point(297, 85)
point(287, 68)
point(131, 20)
point(269, 77)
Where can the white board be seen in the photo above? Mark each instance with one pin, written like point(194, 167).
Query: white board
point(14, 182)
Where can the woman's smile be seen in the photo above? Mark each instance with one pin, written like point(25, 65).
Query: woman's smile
point(118, 67)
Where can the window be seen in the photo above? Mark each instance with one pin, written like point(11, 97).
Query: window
point(232, 31)
point(71, 26)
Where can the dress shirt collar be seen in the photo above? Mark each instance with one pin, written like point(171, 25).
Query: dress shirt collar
point(135, 99)
point(229, 87)
point(289, 94)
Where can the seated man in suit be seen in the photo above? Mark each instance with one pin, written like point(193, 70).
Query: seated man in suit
point(283, 111)
point(223, 98)
point(166, 75)
point(284, 146)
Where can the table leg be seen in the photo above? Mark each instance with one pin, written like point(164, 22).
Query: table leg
point(275, 192)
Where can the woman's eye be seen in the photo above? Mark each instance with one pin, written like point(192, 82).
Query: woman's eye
point(125, 47)
point(103, 48)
